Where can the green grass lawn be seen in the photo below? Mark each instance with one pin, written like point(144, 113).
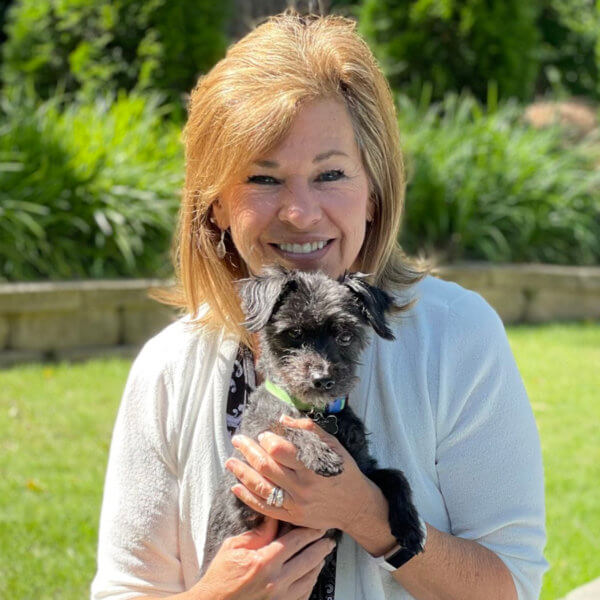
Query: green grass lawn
point(56, 421)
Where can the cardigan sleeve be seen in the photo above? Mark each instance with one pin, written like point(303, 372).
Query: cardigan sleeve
point(138, 535)
point(488, 453)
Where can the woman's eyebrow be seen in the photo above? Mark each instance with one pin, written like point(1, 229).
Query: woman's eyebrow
point(271, 164)
point(325, 155)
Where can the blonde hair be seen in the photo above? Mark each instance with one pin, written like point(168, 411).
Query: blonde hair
point(241, 110)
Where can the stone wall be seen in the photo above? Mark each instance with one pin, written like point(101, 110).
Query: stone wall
point(74, 320)
point(532, 293)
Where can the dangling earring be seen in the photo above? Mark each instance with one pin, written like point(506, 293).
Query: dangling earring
point(221, 250)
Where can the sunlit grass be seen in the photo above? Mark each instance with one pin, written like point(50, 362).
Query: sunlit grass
point(560, 366)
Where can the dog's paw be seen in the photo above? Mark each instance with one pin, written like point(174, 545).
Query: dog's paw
point(409, 534)
point(324, 462)
point(314, 453)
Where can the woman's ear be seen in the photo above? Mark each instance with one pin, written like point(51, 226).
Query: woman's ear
point(220, 214)
point(371, 202)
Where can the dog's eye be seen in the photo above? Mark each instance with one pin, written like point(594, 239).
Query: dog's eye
point(294, 333)
point(344, 338)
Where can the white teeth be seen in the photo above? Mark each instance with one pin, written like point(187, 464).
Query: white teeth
point(302, 248)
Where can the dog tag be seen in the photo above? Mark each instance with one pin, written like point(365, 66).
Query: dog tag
point(328, 423)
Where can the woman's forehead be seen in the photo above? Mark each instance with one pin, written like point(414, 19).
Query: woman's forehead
point(320, 130)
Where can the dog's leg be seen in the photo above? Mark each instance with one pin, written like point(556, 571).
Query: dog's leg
point(403, 516)
point(313, 453)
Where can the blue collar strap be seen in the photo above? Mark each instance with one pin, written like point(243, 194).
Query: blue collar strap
point(333, 407)
point(337, 405)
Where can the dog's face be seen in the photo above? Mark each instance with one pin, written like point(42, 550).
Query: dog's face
point(313, 329)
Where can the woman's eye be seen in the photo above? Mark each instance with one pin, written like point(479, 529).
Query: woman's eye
point(331, 175)
point(262, 179)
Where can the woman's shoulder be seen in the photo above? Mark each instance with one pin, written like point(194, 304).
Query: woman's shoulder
point(439, 304)
point(179, 345)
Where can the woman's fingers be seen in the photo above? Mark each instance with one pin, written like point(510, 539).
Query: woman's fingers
point(254, 481)
point(302, 588)
point(292, 542)
point(306, 566)
point(258, 537)
point(260, 460)
point(260, 505)
point(281, 450)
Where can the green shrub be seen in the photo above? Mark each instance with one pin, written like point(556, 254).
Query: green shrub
point(91, 191)
point(570, 50)
point(484, 185)
point(455, 44)
point(98, 45)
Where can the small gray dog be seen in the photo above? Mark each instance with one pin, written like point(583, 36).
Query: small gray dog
point(312, 332)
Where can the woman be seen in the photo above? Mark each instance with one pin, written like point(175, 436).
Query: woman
point(292, 157)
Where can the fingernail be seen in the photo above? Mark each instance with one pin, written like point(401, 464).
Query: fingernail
point(261, 436)
point(284, 419)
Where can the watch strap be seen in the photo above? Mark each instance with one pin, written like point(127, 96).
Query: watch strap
point(398, 555)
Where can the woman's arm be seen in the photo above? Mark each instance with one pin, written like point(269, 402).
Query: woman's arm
point(138, 549)
point(449, 568)
point(488, 465)
point(137, 539)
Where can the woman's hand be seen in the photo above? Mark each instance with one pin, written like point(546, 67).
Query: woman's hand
point(310, 500)
point(255, 566)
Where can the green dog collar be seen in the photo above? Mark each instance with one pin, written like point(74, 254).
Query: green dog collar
point(335, 406)
point(280, 393)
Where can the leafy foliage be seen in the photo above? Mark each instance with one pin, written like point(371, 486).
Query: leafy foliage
point(570, 50)
point(98, 45)
point(90, 191)
point(455, 44)
point(484, 185)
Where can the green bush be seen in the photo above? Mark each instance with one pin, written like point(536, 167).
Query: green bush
point(98, 45)
point(570, 51)
point(455, 44)
point(90, 191)
point(484, 185)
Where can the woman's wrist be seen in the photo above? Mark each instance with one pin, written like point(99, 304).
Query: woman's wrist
point(369, 525)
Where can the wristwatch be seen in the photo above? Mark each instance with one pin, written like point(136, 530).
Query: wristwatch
point(398, 555)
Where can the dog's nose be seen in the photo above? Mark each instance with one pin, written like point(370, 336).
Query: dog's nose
point(323, 383)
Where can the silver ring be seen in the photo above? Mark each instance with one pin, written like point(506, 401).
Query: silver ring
point(275, 497)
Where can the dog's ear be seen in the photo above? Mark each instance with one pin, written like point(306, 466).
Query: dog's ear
point(374, 302)
point(262, 295)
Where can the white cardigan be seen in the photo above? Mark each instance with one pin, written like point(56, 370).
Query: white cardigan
point(444, 402)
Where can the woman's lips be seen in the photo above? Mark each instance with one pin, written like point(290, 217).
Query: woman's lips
point(304, 257)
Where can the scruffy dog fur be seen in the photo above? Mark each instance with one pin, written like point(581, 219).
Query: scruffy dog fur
point(312, 330)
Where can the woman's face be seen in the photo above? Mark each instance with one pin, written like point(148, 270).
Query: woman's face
point(305, 204)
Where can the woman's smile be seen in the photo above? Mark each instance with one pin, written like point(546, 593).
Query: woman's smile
point(302, 254)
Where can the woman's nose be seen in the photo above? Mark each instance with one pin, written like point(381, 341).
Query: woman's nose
point(300, 206)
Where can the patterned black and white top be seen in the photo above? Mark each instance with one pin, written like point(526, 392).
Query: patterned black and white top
point(242, 384)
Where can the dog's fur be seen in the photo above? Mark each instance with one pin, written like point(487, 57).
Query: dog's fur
point(312, 330)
